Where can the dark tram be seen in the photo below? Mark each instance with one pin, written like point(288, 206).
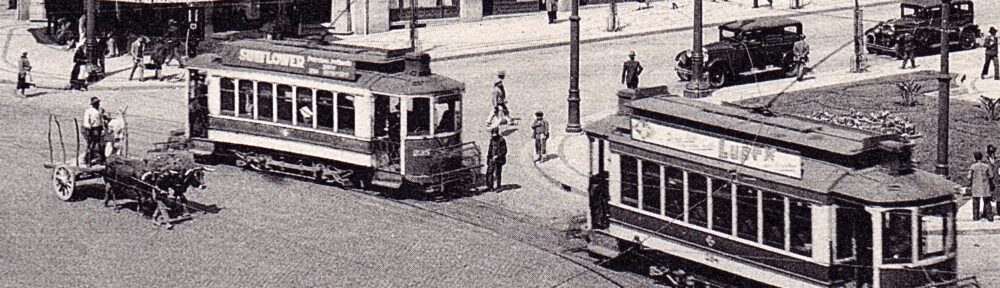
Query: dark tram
point(334, 113)
point(721, 196)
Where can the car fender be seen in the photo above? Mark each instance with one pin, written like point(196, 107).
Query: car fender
point(681, 56)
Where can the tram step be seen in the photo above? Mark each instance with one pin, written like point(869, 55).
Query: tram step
point(387, 179)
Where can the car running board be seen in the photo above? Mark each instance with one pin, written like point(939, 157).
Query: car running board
point(759, 71)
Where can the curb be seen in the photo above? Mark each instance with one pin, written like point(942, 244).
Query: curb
point(103, 87)
point(564, 186)
point(639, 34)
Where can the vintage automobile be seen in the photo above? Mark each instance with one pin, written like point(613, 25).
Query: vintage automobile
point(747, 48)
point(922, 19)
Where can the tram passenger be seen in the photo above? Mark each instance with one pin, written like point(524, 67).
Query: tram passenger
point(496, 158)
point(93, 128)
point(979, 179)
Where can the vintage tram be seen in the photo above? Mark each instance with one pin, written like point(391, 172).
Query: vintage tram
point(336, 113)
point(722, 196)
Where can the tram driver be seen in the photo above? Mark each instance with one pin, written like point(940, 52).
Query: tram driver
point(93, 130)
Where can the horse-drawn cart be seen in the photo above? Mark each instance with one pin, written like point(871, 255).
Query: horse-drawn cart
point(155, 184)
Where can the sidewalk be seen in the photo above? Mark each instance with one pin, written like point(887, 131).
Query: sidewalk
point(531, 31)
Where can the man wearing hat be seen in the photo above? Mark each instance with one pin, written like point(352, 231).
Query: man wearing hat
point(137, 51)
point(499, 100)
point(990, 43)
point(93, 129)
point(496, 157)
point(540, 131)
point(631, 71)
point(23, 72)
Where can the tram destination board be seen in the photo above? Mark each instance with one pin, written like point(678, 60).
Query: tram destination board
point(298, 61)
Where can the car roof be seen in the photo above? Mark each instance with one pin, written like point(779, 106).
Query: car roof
point(931, 3)
point(760, 23)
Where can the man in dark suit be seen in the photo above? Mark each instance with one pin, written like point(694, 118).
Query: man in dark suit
point(496, 157)
point(630, 71)
point(909, 45)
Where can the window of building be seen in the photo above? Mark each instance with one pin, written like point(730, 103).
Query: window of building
point(227, 96)
point(345, 114)
point(674, 193)
point(265, 101)
point(746, 213)
point(285, 105)
point(774, 220)
point(847, 233)
point(800, 226)
point(934, 231)
point(897, 245)
point(305, 113)
point(697, 199)
point(722, 206)
point(630, 181)
point(447, 115)
point(246, 99)
point(418, 117)
point(324, 110)
point(651, 187)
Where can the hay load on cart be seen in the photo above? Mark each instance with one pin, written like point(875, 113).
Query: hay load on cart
point(156, 184)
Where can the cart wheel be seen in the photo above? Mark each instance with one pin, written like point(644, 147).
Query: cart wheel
point(63, 182)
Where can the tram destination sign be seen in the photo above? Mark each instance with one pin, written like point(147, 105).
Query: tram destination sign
point(298, 63)
point(753, 156)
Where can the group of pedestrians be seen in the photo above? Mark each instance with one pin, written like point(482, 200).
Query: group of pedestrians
point(496, 156)
point(983, 178)
point(908, 47)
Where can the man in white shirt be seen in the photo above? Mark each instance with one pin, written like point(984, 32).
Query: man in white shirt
point(93, 128)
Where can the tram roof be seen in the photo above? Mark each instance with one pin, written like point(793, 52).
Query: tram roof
point(931, 3)
point(876, 184)
point(375, 69)
point(786, 129)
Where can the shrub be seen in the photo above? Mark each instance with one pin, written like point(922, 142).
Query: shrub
point(992, 106)
point(909, 90)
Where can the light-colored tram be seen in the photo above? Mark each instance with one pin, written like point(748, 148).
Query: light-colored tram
point(720, 196)
point(341, 114)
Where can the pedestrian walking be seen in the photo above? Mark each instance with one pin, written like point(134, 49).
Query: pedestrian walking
point(552, 6)
point(137, 51)
point(630, 71)
point(990, 43)
point(496, 158)
point(800, 50)
point(93, 130)
point(540, 131)
point(979, 179)
point(23, 75)
point(908, 45)
point(499, 101)
point(79, 60)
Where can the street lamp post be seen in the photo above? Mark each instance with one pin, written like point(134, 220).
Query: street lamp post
point(944, 93)
point(858, 63)
point(93, 73)
point(573, 113)
point(697, 88)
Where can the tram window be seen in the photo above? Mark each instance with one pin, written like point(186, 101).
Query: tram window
point(800, 226)
point(447, 114)
point(265, 102)
point(897, 246)
point(847, 233)
point(345, 114)
point(651, 187)
point(246, 99)
point(722, 206)
point(934, 231)
point(697, 199)
point(746, 213)
point(630, 181)
point(674, 193)
point(324, 109)
point(774, 220)
point(227, 96)
point(304, 109)
point(285, 104)
point(418, 116)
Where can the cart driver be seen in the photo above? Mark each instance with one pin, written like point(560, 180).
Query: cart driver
point(93, 128)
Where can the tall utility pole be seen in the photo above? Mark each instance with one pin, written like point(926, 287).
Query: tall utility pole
point(573, 112)
point(89, 43)
point(944, 93)
point(858, 63)
point(697, 88)
point(413, 25)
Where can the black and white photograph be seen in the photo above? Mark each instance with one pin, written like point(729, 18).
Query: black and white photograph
point(500, 143)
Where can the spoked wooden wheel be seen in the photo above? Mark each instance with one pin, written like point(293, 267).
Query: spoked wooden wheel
point(63, 182)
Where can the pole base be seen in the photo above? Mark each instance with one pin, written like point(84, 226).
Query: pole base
point(573, 128)
point(941, 169)
point(697, 89)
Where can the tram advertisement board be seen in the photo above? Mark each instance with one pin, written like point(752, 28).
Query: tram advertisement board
point(298, 62)
point(753, 156)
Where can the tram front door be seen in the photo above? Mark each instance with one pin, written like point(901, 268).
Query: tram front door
point(387, 130)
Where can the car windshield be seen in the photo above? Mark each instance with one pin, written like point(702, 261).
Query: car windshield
point(728, 35)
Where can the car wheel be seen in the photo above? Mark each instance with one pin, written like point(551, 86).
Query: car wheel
point(789, 65)
point(717, 77)
point(967, 40)
point(683, 62)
